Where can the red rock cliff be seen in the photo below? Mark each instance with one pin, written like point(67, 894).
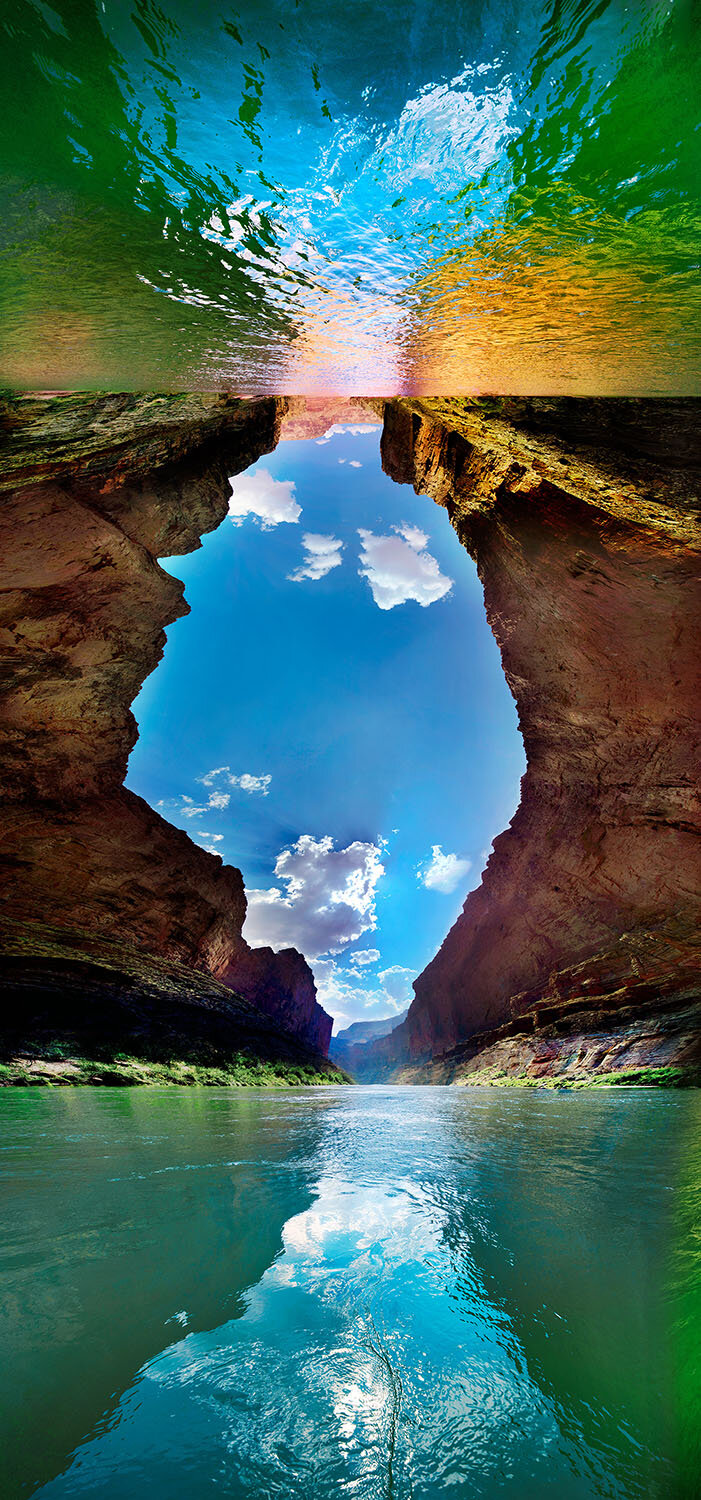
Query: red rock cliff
point(93, 490)
point(581, 517)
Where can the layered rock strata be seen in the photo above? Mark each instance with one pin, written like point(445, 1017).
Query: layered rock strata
point(583, 520)
point(92, 491)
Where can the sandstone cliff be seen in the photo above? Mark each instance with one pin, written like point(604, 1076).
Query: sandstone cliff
point(583, 521)
point(93, 490)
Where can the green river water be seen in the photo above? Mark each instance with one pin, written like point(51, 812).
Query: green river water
point(349, 1292)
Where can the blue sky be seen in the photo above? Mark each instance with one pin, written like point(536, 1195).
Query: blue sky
point(332, 717)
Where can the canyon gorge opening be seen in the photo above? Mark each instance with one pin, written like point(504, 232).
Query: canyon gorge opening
point(332, 717)
point(576, 953)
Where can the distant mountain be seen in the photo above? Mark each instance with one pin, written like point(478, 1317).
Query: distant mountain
point(361, 1032)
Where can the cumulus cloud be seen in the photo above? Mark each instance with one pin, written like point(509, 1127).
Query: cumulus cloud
point(218, 799)
point(328, 900)
point(347, 999)
point(222, 775)
point(322, 554)
point(355, 464)
point(250, 783)
point(363, 957)
point(413, 535)
point(398, 568)
point(396, 982)
point(270, 500)
point(443, 872)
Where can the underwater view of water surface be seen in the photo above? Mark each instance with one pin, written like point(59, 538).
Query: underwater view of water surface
point(450, 196)
point(359, 1292)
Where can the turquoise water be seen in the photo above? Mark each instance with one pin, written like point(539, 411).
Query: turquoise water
point(449, 196)
point(358, 1292)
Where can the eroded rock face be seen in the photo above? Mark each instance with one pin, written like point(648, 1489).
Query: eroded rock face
point(589, 557)
point(582, 521)
point(282, 985)
point(93, 490)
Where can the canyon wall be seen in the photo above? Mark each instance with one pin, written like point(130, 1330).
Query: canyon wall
point(582, 517)
point(92, 491)
point(583, 520)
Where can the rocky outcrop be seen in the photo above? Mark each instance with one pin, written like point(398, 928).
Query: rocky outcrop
point(583, 522)
point(81, 1007)
point(282, 985)
point(93, 490)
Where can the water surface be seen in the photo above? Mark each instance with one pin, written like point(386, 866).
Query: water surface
point(351, 1292)
point(447, 196)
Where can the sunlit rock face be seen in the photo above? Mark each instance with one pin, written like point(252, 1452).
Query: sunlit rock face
point(581, 518)
point(95, 489)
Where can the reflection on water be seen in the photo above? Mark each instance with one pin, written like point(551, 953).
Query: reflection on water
point(451, 196)
point(374, 1292)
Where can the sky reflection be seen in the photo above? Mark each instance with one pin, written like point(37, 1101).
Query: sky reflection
point(455, 198)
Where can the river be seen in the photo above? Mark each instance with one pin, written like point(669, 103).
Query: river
point(453, 197)
point(348, 1292)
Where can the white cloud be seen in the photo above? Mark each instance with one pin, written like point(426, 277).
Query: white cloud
point(354, 464)
point(443, 872)
point(214, 838)
point(209, 845)
point(246, 782)
point(329, 900)
point(396, 982)
point(356, 429)
point(210, 778)
point(398, 569)
point(250, 783)
point(347, 999)
point(323, 554)
point(219, 799)
point(271, 500)
point(413, 535)
point(363, 957)
point(216, 802)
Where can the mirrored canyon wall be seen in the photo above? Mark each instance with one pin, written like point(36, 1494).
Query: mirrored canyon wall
point(577, 950)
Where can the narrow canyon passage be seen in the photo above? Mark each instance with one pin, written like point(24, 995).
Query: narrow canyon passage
point(332, 716)
point(578, 950)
